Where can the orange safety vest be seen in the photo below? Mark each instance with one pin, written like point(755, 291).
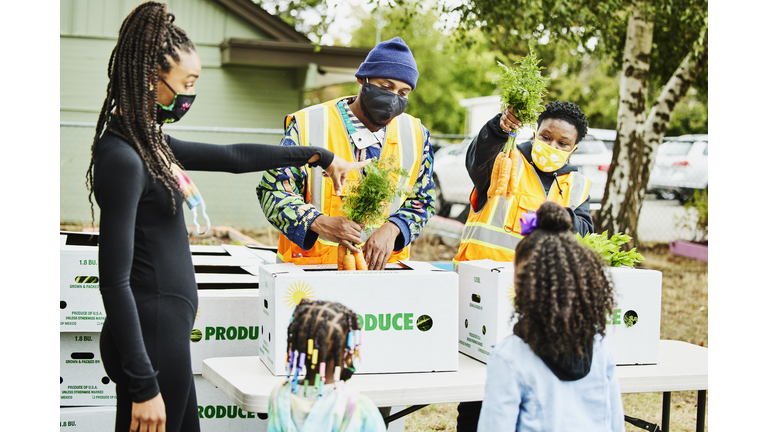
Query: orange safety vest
point(494, 231)
point(322, 125)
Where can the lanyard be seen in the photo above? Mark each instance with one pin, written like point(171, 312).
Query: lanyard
point(347, 122)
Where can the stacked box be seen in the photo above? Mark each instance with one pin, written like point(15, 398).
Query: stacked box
point(227, 325)
point(486, 295)
point(226, 322)
point(217, 413)
point(81, 306)
point(83, 381)
point(87, 419)
point(407, 312)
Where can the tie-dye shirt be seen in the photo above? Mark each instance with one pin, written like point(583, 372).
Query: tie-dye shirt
point(340, 408)
point(281, 193)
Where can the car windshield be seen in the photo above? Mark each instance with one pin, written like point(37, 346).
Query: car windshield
point(590, 147)
point(673, 148)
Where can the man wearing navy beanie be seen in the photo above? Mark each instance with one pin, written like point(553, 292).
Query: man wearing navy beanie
point(300, 201)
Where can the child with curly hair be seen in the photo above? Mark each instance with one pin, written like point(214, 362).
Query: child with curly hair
point(323, 340)
point(555, 372)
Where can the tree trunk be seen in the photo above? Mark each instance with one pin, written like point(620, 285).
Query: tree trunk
point(624, 195)
point(638, 137)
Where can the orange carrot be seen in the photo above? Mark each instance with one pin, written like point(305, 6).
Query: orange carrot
point(504, 173)
point(340, 252)
point(360, 263)
point(495, 175)
point(349, 261)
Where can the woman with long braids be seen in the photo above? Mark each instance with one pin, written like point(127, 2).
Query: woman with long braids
point(555, 372)
point(137, 177)
point(323, 341)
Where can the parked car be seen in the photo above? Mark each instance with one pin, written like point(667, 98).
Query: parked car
point(453, 185)
point(593, 158)
point(607, 136)
point(681, 167)
point(452, 182)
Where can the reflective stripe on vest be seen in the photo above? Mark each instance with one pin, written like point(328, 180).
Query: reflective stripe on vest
point(491, 234)
point(322, 126)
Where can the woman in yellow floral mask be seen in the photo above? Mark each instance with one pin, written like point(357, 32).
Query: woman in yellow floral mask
point(493, 227)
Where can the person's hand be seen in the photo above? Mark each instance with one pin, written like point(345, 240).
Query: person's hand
point(509, 120)
point(338, 229)
point(380, 245)
point(148, 416)
point(338, 169)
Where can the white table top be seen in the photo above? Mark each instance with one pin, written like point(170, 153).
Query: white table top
point(248, 383)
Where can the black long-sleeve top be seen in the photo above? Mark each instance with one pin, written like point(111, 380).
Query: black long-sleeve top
point(482, 153)
point(144, 246)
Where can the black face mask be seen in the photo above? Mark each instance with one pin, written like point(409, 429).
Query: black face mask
point(179, 106)
point(380, 106)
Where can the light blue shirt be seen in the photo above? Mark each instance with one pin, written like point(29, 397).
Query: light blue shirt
point(521, 390)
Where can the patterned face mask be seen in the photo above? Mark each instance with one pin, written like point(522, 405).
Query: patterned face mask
point(192, 196)
point(547, 158)
point(179, 106)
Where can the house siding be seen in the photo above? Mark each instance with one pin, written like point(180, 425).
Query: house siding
point(227, 97)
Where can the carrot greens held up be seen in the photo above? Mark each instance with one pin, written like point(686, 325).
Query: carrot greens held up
point(522, 88)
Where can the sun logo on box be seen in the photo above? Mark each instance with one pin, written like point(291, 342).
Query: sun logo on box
point(511, 294)
point(296, 291)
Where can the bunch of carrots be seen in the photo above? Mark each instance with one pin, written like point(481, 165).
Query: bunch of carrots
point(367, 203)
point(523, 88)
point(348, 260)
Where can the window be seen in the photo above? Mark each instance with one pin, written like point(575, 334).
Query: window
point(675, 148)
point(590, 147)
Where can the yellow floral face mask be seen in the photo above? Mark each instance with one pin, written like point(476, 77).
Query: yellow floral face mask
point(547, 158)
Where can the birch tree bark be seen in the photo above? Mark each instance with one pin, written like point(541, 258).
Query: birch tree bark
point(639, 135)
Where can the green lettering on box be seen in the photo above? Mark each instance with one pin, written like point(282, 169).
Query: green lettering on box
point(394, 322)
point(370, 322)
point(408, 321)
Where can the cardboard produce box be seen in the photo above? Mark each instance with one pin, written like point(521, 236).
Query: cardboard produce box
point(81, 305)
point(634, 325)
point(83, 381)
point(486, 294)
point(218, 413)
point(87, 419)
point(408, 313)
point(227, 325)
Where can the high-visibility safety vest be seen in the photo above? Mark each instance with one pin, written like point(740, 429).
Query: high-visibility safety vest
point(325, 125)
point(494, 231)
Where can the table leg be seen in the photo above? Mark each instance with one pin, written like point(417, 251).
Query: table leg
point(402, 413)
point(665, 404)
point(700, 410)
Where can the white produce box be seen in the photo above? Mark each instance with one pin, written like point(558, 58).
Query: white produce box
point(486, 293)
point(217, 413)
point(87, 419)
point(227, 325)
point(83, 380)
point(81, 305)
point(390, 303)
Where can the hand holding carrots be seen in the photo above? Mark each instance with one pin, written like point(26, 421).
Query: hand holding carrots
point(338, 229)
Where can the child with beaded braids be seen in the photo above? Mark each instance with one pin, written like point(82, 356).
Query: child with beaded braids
point(555, 372)
point(323, 340)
